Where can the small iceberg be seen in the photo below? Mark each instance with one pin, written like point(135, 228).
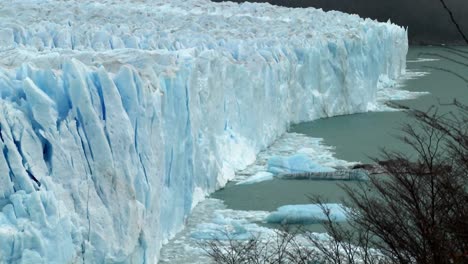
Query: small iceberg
point(306, 214)
point(298, 163)
point(338, 175)
point(258, 177)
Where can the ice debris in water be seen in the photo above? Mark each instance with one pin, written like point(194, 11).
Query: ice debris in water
point(313, 152)
point(258, 177)
point(307, 214)
point(237, 226)
point(295, 164)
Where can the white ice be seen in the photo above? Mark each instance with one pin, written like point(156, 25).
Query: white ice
point(418, 60)
point(211, 220)
point(239, 225)
point(312, 150)
point(307, 214)
point(296, 163)
point(258, 177)
point(393, 90)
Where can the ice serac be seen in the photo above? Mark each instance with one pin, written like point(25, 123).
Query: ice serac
point(117, 117)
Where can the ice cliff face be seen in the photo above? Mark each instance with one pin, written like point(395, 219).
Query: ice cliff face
point(117, 117)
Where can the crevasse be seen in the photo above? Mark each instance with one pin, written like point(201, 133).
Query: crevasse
point(117, 117)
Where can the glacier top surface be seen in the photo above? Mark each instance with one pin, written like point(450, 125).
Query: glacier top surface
point(168, 25)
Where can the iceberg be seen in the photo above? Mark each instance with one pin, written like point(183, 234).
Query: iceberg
point(257, 177)
point(337, 175)
point(307, 214)
point(116, 118)
point(298, 163)
point(290, 144)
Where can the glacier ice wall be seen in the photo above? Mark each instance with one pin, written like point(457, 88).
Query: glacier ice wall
point(117, 117)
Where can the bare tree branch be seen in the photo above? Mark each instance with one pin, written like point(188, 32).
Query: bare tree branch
point(452, 18)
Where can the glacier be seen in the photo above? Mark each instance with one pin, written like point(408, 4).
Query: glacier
point(118, 117)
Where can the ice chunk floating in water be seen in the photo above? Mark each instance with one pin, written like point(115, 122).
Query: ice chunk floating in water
point(295, 164)
point(258, 177)
point(290, 144)
point(117, 118)
point(306, 214)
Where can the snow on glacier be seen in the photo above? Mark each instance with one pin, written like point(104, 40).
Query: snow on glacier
point(117, 117)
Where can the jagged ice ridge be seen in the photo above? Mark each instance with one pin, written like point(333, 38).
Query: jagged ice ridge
point(117, 117)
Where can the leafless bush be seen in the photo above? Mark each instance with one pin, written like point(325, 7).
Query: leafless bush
point(417, 211)
point(282, 247)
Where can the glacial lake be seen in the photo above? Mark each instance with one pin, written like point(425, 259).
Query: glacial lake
point(361, 136)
